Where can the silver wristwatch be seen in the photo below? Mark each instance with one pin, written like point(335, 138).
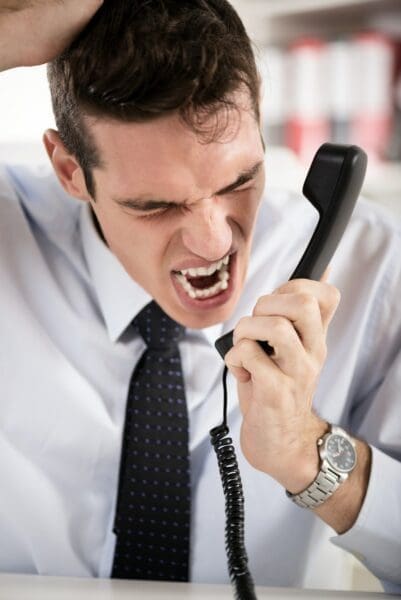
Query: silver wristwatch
point(338, 455)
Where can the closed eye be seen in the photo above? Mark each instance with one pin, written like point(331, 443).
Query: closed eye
point(167, 209)
point(159, 212)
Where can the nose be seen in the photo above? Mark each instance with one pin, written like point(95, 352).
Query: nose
point(207, 232)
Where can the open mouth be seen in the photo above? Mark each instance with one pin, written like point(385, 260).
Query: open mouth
point(205, 282)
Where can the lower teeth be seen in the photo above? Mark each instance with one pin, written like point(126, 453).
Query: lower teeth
point(193, 292)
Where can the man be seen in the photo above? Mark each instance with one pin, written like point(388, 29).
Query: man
point(158, 136)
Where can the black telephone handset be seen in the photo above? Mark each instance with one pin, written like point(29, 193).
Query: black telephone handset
point(332, 185)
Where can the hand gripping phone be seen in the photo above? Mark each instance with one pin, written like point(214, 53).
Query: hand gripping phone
point(332, 185)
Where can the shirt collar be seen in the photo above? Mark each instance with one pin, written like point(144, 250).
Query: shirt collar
point(210, 333)
point(120, 297)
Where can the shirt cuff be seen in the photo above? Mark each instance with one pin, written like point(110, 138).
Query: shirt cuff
point(375, 538)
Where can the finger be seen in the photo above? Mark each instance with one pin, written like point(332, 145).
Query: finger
point(73, 15)
point(289, 354)
point(327, 295)
point(303, 311)
point(325, 277)
point(247, 356)
point(240, 374)
point(83, 10)
point(42, 29)
point(265, 376)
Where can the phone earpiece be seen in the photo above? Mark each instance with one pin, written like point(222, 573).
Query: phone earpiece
point(332, 186)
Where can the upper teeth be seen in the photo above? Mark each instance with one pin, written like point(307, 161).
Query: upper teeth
point(203, 271)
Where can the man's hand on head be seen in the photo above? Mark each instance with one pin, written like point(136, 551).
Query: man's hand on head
point(33, 32)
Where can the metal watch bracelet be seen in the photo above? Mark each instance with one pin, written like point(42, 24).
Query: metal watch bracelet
point(326, 482)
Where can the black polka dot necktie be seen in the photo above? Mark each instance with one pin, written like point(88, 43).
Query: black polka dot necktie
point(152, 520)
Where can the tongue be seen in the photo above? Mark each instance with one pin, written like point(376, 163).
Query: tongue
point(201, 283)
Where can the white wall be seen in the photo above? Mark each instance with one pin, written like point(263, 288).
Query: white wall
point(25, 113)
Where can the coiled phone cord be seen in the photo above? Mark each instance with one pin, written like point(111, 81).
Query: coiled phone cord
point(240, 576)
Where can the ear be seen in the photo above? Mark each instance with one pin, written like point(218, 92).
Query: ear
point(65, 166)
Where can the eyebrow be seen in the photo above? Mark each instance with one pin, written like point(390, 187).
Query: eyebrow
point(152, 204)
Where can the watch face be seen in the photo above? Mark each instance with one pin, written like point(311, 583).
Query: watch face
point(340, 453)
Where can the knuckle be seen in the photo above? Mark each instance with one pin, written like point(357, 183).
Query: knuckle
point(307, 302)
point(335, 295)
point(289, 287)
point(242, 345)
point(240, 328)
point(295, 286)
point(259, 308)
point(248, 347)
point(249, 350)
point(279, 327)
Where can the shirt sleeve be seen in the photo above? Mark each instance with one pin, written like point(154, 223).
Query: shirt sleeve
point(375, 538)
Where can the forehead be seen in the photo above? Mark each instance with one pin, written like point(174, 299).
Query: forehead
point(166, 153)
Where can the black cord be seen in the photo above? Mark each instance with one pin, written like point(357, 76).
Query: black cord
point(241, 579)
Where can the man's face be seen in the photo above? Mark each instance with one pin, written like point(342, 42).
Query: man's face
point(178, 212)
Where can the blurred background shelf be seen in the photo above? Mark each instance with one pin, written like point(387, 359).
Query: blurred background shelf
point(347, 53)
point(276, 21)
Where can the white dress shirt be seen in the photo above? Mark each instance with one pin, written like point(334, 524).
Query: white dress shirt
point(66, 359)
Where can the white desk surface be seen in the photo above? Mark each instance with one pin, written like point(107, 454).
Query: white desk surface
point(32, 587)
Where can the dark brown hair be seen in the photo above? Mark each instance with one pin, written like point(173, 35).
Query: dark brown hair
point(141, 59)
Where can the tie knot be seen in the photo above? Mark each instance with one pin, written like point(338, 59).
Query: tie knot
point(157, 329)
